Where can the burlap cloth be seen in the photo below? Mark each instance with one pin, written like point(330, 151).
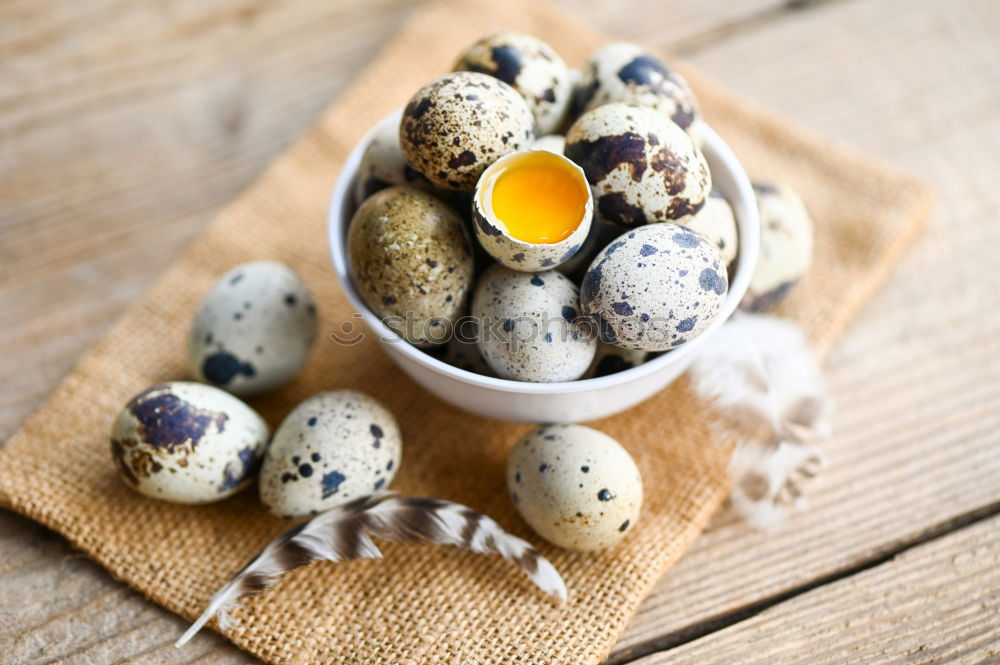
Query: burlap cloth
point(424, 604)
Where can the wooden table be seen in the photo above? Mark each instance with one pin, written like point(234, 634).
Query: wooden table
point(124, 125)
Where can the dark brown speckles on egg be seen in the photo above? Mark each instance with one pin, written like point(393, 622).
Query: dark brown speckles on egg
point(318, 466)
point(652, 284)
point(241, 321)
point(532, 328)
point(582, 500)
point(411, 256)
point(168, 422)
point(457, 125)
point(187, 442)
point(623, 72)
point(641, 167)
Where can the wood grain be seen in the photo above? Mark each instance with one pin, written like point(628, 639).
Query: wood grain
point(916, 380)
point(936, 603)
point(124, 126)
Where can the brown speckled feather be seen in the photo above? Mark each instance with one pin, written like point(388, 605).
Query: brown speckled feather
point(345, 533)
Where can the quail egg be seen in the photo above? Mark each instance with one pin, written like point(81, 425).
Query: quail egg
point(332, 448)
point(458, 124)
point(641, 166)
point(786, 246)
point(529, 326)
point(532, 210)
point(575, 486)
point(531, 67)
point(383, 165)
point(610, 359)
point(623, 72)
point(716, 222)
point(253, 330)
point(654, 288)
point(411, 259)
point(186, 442)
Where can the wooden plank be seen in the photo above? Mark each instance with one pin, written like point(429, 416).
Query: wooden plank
point(57, 605)
point(678, 25)
point(936, 603)
point(917, 378)
point(212, 92)
point(123, 127)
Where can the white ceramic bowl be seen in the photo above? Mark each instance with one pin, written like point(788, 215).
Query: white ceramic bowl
point(571, 401)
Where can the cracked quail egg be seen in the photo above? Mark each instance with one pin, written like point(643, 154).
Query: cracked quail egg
point(532, 210)
point(253, 329)
point(654, 288)
point(623, 72)
point(575, 486)
point(716, 222)
point(786, 246)
point(186, 442)
point(528, 65)
point(411, 258)
point(529, 326)
point(458, 124)
point(331, 449)
point(640, 165)
point(383, 165)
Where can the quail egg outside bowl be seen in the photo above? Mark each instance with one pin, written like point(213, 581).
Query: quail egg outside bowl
point(568, 401)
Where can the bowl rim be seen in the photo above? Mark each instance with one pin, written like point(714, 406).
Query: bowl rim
point(749, 234)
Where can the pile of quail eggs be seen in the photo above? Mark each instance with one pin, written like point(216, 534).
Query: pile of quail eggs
point(197, 442)
point(645, 272)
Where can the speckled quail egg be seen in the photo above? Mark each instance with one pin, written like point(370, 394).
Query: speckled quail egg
point(383, 165)
point(411, 259)
point(331, 449)
point(186, 442)
point(654, 288)
point(716, 222)
point(641, 166)
point(575, 486)
point(552, 142)
point(253, 329)
point(529, 326)
point(528, 65)
point(786, 246)
point(532, 210)
point(623, 72)
point(610, 359)
point(460, 123)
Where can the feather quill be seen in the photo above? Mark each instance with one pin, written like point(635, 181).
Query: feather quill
point(762, 377)
point(345, 533)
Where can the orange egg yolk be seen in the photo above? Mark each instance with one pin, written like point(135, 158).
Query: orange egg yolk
point(540, 198)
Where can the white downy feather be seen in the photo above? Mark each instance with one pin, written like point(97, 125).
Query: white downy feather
point(762, 378)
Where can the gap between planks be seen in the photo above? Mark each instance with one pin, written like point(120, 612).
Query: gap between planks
point(714, 624)
point(688, 46)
